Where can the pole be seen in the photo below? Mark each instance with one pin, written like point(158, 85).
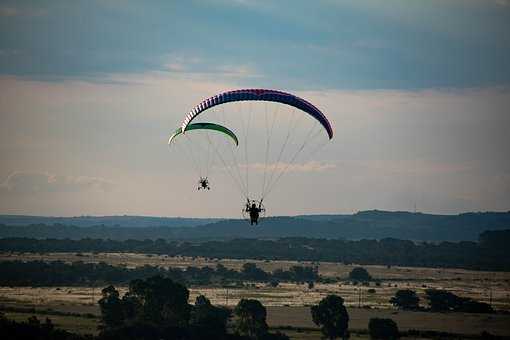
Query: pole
point(359, 297)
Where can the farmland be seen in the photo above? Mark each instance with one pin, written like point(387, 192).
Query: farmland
point(485, 286)
point(288, 303)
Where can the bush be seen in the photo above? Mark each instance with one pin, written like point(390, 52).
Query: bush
point(405, 299)
point(383, 329)
point(445, 301)
point(360, 274)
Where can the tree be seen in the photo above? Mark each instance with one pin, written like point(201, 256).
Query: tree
point(405, 299)
point(132, 307)
point(251, 272)
point(208, 321)
point(157, 308)
point(112, 314)
point(302, 274)
point(442, 300)
point(251, 318)
point(383, 329)
point(472, 306)
point(360, 274)
point(445, 301)
point(161, 301)
point(331, 315)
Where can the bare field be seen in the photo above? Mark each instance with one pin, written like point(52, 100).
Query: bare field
point(479, 285)
point(300, 319)
point(459, 323)
point(288, 304)
point(286, 294)
point(74, 324)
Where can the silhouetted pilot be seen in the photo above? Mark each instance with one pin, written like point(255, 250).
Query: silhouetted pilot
point(254, 211)
point(203, 183)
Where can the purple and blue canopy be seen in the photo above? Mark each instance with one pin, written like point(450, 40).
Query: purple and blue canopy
point(259, 95)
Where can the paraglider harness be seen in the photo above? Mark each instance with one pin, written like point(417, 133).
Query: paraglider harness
point(203, 183)
point(255, 209)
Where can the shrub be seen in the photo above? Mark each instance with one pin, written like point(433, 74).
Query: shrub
point(405, 299)
point(383, 329)
point(360, 274)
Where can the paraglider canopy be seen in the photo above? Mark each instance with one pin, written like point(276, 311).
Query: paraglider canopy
point(259, 95)
point(205, 126)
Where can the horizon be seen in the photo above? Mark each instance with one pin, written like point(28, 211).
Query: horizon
point(269, 216)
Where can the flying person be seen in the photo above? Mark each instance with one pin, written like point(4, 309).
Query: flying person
point(254, 211)
point(203, 183)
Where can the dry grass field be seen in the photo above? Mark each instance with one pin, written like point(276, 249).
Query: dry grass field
point(479, 285)
point(459, 323)
point(288, 304)
point(299, 321)
point(73, 324)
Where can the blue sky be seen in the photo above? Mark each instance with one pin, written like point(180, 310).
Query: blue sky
point(297, 44)
point(418, 93)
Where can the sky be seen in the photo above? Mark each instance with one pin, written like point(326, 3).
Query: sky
point(417, 92)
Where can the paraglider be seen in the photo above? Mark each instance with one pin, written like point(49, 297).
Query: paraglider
point(254, 210)
point(204, 126)
point(296, 126)
point(203, 182)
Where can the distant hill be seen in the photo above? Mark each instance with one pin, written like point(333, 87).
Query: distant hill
point(363, 225)
point(120, 221)
point(372, 224)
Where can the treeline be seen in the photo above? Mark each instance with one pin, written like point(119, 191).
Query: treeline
point(58, 273)
point(487, 255)
point(362, 225)
point(438, 301)
point(125, 221)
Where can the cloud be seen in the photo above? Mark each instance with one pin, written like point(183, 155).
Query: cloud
point(8, 12)
point(8, 52)
point(408, 167)
point(503, 2)
point(312, 166)
point(14, 12)
point(391, 148)
point(193, 66)
point(299, 45)
point(34, 182)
